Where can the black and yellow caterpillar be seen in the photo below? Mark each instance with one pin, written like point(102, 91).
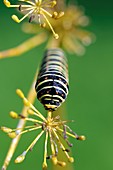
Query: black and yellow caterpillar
point(52, 82)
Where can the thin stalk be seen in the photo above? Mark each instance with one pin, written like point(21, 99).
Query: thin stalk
point(31, 97)
point(24, 47)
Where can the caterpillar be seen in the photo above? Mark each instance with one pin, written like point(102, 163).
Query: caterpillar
point(52, 83)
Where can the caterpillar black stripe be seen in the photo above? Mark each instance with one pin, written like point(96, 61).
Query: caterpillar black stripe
point(52, 82)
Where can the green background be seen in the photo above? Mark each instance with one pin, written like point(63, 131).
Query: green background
point(90, 101)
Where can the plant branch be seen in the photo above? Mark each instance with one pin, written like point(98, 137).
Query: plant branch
point(24, 47)
point(31, 97)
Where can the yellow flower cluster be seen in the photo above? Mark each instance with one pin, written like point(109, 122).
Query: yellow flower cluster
point(36, 10)
point(53, 128)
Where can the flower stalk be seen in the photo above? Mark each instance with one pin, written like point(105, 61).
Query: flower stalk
point(31, 97)
point(25, 46)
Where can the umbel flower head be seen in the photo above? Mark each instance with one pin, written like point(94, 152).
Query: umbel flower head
point(53, 128)
point(38, 10)
point(73, 37)
point(71, 30)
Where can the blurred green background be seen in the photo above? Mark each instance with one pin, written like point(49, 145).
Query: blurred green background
point(90, 101)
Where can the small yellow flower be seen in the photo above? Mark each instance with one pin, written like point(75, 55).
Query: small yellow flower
point(37, 10)
point(53, 128)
